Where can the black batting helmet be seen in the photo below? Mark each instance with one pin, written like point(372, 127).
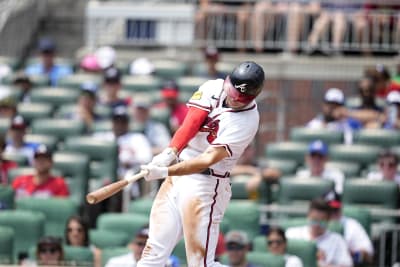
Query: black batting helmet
point(245, 82)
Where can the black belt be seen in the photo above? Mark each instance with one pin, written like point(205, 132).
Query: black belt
point(211, 172)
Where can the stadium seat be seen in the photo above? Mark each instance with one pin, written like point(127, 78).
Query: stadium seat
point(49, 140)
point(287, 150)
point(54, 96)
point(180, 251)
point(377, 137)
point(64, 111)
point(362, 215)
point(6, 197)
point(6, 245)
point(75, 81)
point(294, 190)
point(103, 155)
point(13, 173)
point(307, 135)
point(349, 169)
point(141, 84)
point(262, 259)
point(286, 167)
point(75, 169)
point(109, 253)
point(31, 111)
point(141, 206)
point(355, 102)
point(20, 159)
point(285, 224)
point(238, 186)
point(55, 210)
point(169, 69)
point(305, 250)
point(37, 80)
point(127, 223)
point(361, 154)
point(160, 114)
point(190, 83)
point(60, 128)
point(78, 256)
point(4, 125)
point(108, 239)
point(28, 228)
point(102, 126)
point(243, 215)
point(12, 62)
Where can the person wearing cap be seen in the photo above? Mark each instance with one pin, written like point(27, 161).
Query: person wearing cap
point(237, 246)
point(211, 57)
point(41, 183)
point(170, 100)
point(8, 105)
point(141, 66)
point(111, 87)
point(23, 83)
point(49, 251)
point(332, 248)
point(156, 132)
point(105, 57)
point(5, 164)
point(388, 162)
point(316, 159)
point(354, 234)
point(16, 143)
point(48, 66)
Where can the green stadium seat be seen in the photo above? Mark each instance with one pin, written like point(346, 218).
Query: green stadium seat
point(286, 167)
point(56, 211)
point(243, 215)
point(200, 69)
point(180, 251)
point(190, 83)
point(49, 140)
point(169, 69)
point(141, 84)
point(31, 111)
point(307, 135)
point(37, 80)
point(285, 224)
point(65, 110)
point(75, 169)
point(305, 250)
point(12, 62)
point(377, 137)
point(362, 215)
point(287, 150)
point(102, 126)
point(103, 155)
point(28, 228)
point(60, 128)
point(349, 169)
point(18, 158)
point(238, 186)
point(4, 125)
point(160, 114)
point(127, 223)
point(75, 81)
point(78, 256)
point(54, 95)
point(109, 253)
point(262, 259)
point(13, 173)
point(141, 206)
point(108, 239)
point(361, 154)
point(6, 197)
point(6, 245)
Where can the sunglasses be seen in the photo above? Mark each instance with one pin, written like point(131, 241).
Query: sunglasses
point(50, 250)
point(70, 229)
point(278, 242)
point(389, 164)
point(234, 247)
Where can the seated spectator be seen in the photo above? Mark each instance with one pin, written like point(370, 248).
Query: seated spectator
point(105, 57)
point(332, 248)
point(237, 246)
point(111, 87)
point(5, 164)
point(316, 159)
point(48, 66)
point(276, 241)
point(329, 119)
point(156, 132)
point(49, 251)
point(40, 184)
point(356, 237)
point(170, 100)
point(16, 144)
point(8, 105)
point(141, 66)
point(211, 57)
point(77, 234)
point(367, 88)
point(387, 164)
point(23, 83)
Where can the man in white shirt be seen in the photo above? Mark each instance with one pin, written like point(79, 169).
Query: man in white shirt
point(387, 163)
point(332, 248)
point(316, 159)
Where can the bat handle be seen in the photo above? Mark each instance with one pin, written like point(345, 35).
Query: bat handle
point(134, 178)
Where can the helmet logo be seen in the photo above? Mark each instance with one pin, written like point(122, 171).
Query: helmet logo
point(241, 87)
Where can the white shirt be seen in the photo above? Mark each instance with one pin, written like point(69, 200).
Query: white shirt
point(292, 261)
point(331, 244)
point(226, 127)
point(356, 237)
point(340, 126)
point(126, 260)
point(28, 151)
point(378, 176)
point(329, 174)
point(157, 134)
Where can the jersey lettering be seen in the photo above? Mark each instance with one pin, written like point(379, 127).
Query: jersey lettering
point(211, 127)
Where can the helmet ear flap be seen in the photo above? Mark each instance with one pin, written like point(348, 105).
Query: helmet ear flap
point(248, 78)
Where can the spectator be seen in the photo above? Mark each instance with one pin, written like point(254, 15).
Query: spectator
point(277, 244)
point(237, 246)
point(141, 66)
point(170, 100)
point(77, 234)
point(5, 164)
point(17, 144)
point(391, 117)
point(332, 248)
point(89, 64)
point(367, 91)
point(387, 164)
point(49, 251)
point(156, 132)
point(48, 66)
point(40, 184)
point(112, 86)
point(354, 234)
point(316, 159)
point(105, 57)
point(23, 83)
point(211, 57)
point(8, 106)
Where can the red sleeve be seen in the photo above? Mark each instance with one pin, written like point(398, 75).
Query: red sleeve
point(62, 188)
point(16, 183)
point(191, 125)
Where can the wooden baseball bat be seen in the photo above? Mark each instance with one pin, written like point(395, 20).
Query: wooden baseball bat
point(113, 188)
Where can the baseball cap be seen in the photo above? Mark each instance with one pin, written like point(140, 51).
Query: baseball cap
point(143, 232)
point(211, 52)
point(141, 66)
point(393, 97)
point(105, 56)
point(120, 112)
point(333, 199)
point(18, 122)
point(170, 90)
point(334, 95)
point(89, 62)
point(46, 45)
point(42, 150)
point(112, 75)
point(318, 147)
point(237, 237)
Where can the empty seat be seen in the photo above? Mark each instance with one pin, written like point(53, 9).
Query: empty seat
point(4, 125)
point(262, 259)
point(6, 245)
point(37, 80)
point(78, 256)
point(141, 206)
point(122, 222)
point(190, 83)
point(56, 211)
point(108, 253)
point(31, 111)
point(136, 84)
point(169, 69)
point(65, 111)
point(54, 96)
point(238, 186)
point(60, 128)
point(75, 81)
point(286, 167)
point(307, 135)
point(287, 150)
point(20, 159)
point(13, 173)
point(102, 238)
point(6, 197)
point(49, 140)
point(349, 169)
point(361, 154)
point(378, 137)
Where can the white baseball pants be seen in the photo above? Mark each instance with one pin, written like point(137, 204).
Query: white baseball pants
point(191, 206)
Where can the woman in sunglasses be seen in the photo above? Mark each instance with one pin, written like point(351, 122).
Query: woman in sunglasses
point(277, 244)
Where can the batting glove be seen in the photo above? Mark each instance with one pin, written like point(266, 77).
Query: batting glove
point(165, 158)
point(154, 172)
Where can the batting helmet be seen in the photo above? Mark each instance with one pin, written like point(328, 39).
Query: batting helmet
point(245, 82)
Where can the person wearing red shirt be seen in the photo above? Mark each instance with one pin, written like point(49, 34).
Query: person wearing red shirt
point(41, 183)
point(5, 164)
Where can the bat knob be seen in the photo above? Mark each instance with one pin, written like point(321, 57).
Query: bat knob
point(91, 199)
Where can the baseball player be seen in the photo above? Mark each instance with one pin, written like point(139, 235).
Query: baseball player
point(221, 122)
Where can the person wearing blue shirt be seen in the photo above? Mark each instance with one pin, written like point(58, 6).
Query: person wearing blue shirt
point(47, 66)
